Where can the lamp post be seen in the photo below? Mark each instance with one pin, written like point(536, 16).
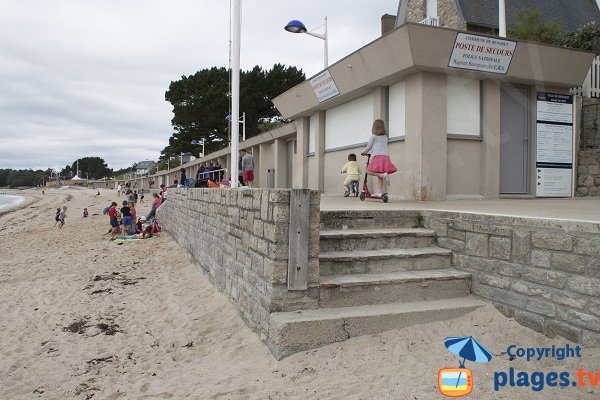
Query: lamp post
point(199, 142)
point(241, 121)
point(296, 26)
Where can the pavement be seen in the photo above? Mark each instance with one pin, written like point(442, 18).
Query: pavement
point(578, 209)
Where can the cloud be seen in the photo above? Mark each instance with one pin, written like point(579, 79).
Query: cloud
point(88, 78)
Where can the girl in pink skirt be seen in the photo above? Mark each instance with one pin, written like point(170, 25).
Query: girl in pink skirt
point(381, 165)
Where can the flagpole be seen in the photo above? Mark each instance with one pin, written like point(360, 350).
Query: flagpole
point(235, 89)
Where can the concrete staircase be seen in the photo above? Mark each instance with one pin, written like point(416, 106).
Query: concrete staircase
point(379, 271)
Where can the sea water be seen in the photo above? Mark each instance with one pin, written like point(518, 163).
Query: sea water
point(8, 201)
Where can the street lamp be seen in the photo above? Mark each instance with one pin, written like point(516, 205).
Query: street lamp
point(295, 26)
point(199, 142)
point(241, 121)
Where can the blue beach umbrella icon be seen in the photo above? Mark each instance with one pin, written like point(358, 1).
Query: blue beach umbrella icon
point(469, 349)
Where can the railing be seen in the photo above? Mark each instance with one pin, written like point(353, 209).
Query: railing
point(591, 84)
point(433, 21)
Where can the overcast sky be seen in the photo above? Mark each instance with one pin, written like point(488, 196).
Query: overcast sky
point(87, 78)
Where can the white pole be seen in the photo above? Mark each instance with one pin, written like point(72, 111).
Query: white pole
point(235, 89)
point(501, 18)
point(244, 126)
point(326, 58)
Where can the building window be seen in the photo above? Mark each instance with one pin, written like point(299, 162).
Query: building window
point(349, 124)
point(397, 110)
point(312, 134)
point(463, 107)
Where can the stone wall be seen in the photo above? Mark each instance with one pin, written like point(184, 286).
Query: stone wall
point(448, 15)
point(240, 240)
point(544, 273)
point(590, 133)
point(588, 172)
point(415, 11)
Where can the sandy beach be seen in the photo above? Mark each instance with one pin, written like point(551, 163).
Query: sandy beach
point(82, 317)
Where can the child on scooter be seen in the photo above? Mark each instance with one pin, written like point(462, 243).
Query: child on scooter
point(381, 165)
point(352, 171)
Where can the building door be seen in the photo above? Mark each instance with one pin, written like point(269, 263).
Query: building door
point(514, 140)
point(289, 173)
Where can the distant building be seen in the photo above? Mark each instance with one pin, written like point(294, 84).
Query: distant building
point(143, 167)
point(482, 15)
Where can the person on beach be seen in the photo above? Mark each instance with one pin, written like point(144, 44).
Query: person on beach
point(126, 216)
point(155, 204)
point(57, 216)
point(133, 214)
point(85, 213)
point(141, 195)
point(112, 216)
point(380, 166)
point(182, 178)
point(352, 171)
point(62, 216)
point(146, 234)
point(163, 193)
point(119, 190)
point(247, 168)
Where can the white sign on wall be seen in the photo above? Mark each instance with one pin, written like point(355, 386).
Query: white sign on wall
point(324, 86)
point(554, 154)
point(482, 53)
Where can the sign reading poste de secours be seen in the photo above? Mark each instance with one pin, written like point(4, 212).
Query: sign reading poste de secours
point(482, 53)
point(324, 86)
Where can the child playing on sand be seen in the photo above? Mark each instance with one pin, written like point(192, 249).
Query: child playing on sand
point(85, 213)
point(133, 215)
point(353, 171)
point(126, 216)
point(112, 215)
point(381, 165)
point(62, 216)
point(155, 204)
point(141, 195)
point(146, 234)
point(56, 217)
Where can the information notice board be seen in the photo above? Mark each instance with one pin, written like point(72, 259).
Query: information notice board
point(554, 155)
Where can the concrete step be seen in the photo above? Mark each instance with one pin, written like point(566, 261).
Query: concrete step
point(291, 332)
point(383, 260)
point(405, 286)
point(372, 239)
point(365, 219)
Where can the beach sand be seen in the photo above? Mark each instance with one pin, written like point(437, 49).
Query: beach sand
point(82, 317)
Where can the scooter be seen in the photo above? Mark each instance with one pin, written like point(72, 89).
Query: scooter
point(365, 194)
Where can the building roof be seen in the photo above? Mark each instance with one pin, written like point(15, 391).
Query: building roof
point(144, 165)
point(570, 13)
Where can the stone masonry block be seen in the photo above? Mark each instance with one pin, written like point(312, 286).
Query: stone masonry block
point(508, 269)
point(545, 277)
point(541, 307)
point(279, 196)
point(461, 226)
point(540, 258)
point(557, 328)
point(531, 289)
point(494, 280)
point(281, 213)
point(590, 339)
point(521, 247)
point(476, 244)
point(568, 299)
point(497, 295)
point(594, 306)
point(593, 267)
point(578, 318)
point(474, 264)
point(530, 320)
point(492, 229)
point(552, 241)
point(451, 244)
point(584, 285)
point(454, 234)
point(440, 228)
point(588, 246)
point(500, 247)
point(568, 262)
